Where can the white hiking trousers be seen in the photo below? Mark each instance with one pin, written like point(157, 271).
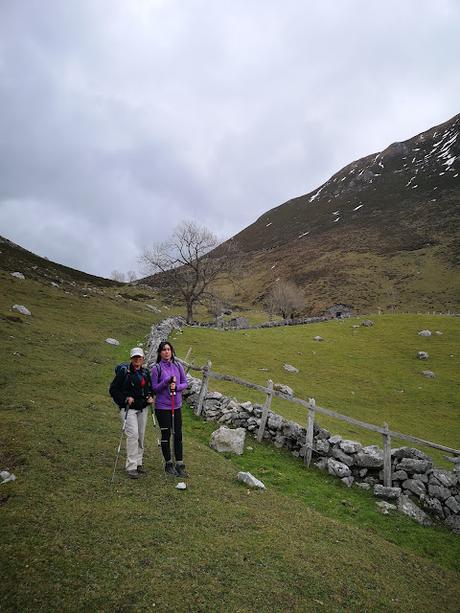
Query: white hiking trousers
point(135, 432)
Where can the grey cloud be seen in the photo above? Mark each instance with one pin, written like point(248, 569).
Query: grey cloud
point(115, 111)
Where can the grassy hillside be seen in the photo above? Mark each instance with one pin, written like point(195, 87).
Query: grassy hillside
point(71, 542)
point(371, 374)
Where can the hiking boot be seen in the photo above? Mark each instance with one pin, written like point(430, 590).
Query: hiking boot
point(133, 474)
point(170, 469)
point(180, 470)
point(141, 470)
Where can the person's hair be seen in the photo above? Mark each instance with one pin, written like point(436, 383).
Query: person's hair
point(161, 346)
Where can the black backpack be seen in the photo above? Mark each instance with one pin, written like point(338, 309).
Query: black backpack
point(122, 372)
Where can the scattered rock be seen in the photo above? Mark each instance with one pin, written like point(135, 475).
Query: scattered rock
point(290, 368)
point(284, 389)
point(250, 480)
point(422, 355)
point(17, 275)
point(112, 341)
point(54, 284)
point(181, 486)
point(228, 440)
point(7, 476)
point(21, 309)
point(318, 338)
point(438, 332)
point(429, 374)
point(367, 323)
point(364, 486)
point(153, 308)
point(335, 439)
point(424, 333)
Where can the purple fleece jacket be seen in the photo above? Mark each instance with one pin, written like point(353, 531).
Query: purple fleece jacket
point(161, 387)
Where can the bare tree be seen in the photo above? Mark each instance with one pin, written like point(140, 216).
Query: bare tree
point(285, 299)
point(116, 275)
point(186, 264)
point(132, 276)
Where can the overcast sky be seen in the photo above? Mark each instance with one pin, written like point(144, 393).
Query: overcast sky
point(120, 118)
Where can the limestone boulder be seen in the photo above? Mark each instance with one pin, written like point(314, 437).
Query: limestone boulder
point(228, 440)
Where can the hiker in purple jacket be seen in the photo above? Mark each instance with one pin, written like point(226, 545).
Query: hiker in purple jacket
point(168, 381)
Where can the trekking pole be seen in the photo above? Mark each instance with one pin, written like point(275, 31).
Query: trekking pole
point(173, 397)
point(154, 424)
point(119, 445)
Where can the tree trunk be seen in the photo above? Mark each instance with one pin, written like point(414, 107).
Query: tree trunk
point(189, 312)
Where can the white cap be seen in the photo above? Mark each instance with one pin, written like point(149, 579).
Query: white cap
point(136, 351)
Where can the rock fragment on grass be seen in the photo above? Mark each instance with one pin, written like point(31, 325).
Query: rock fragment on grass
point(284, 389)
point(250, 480)
point(112, 341)
point(428, 374)
point(20, 308)
point(422, 355)
point(290, 368)
point(17, 275)
point(424, 333)
point(6, 476)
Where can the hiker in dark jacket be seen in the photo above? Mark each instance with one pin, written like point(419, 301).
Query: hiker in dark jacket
point(168, 381)
point(131, 389)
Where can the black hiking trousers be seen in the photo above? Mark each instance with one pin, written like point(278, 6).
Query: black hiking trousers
point(165, 421)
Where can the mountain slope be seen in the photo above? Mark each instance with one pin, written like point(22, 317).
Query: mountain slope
point(14, 258)
point(381, 232)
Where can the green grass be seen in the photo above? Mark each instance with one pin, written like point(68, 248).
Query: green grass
point(371, 374)
point(72, 542)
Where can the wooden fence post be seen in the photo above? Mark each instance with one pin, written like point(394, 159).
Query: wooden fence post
point(386, 457)
point(267, 403)
point(204, 388)
point(309, 437)
point(187, 355)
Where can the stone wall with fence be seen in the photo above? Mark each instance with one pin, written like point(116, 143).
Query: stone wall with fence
point(418, 488)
